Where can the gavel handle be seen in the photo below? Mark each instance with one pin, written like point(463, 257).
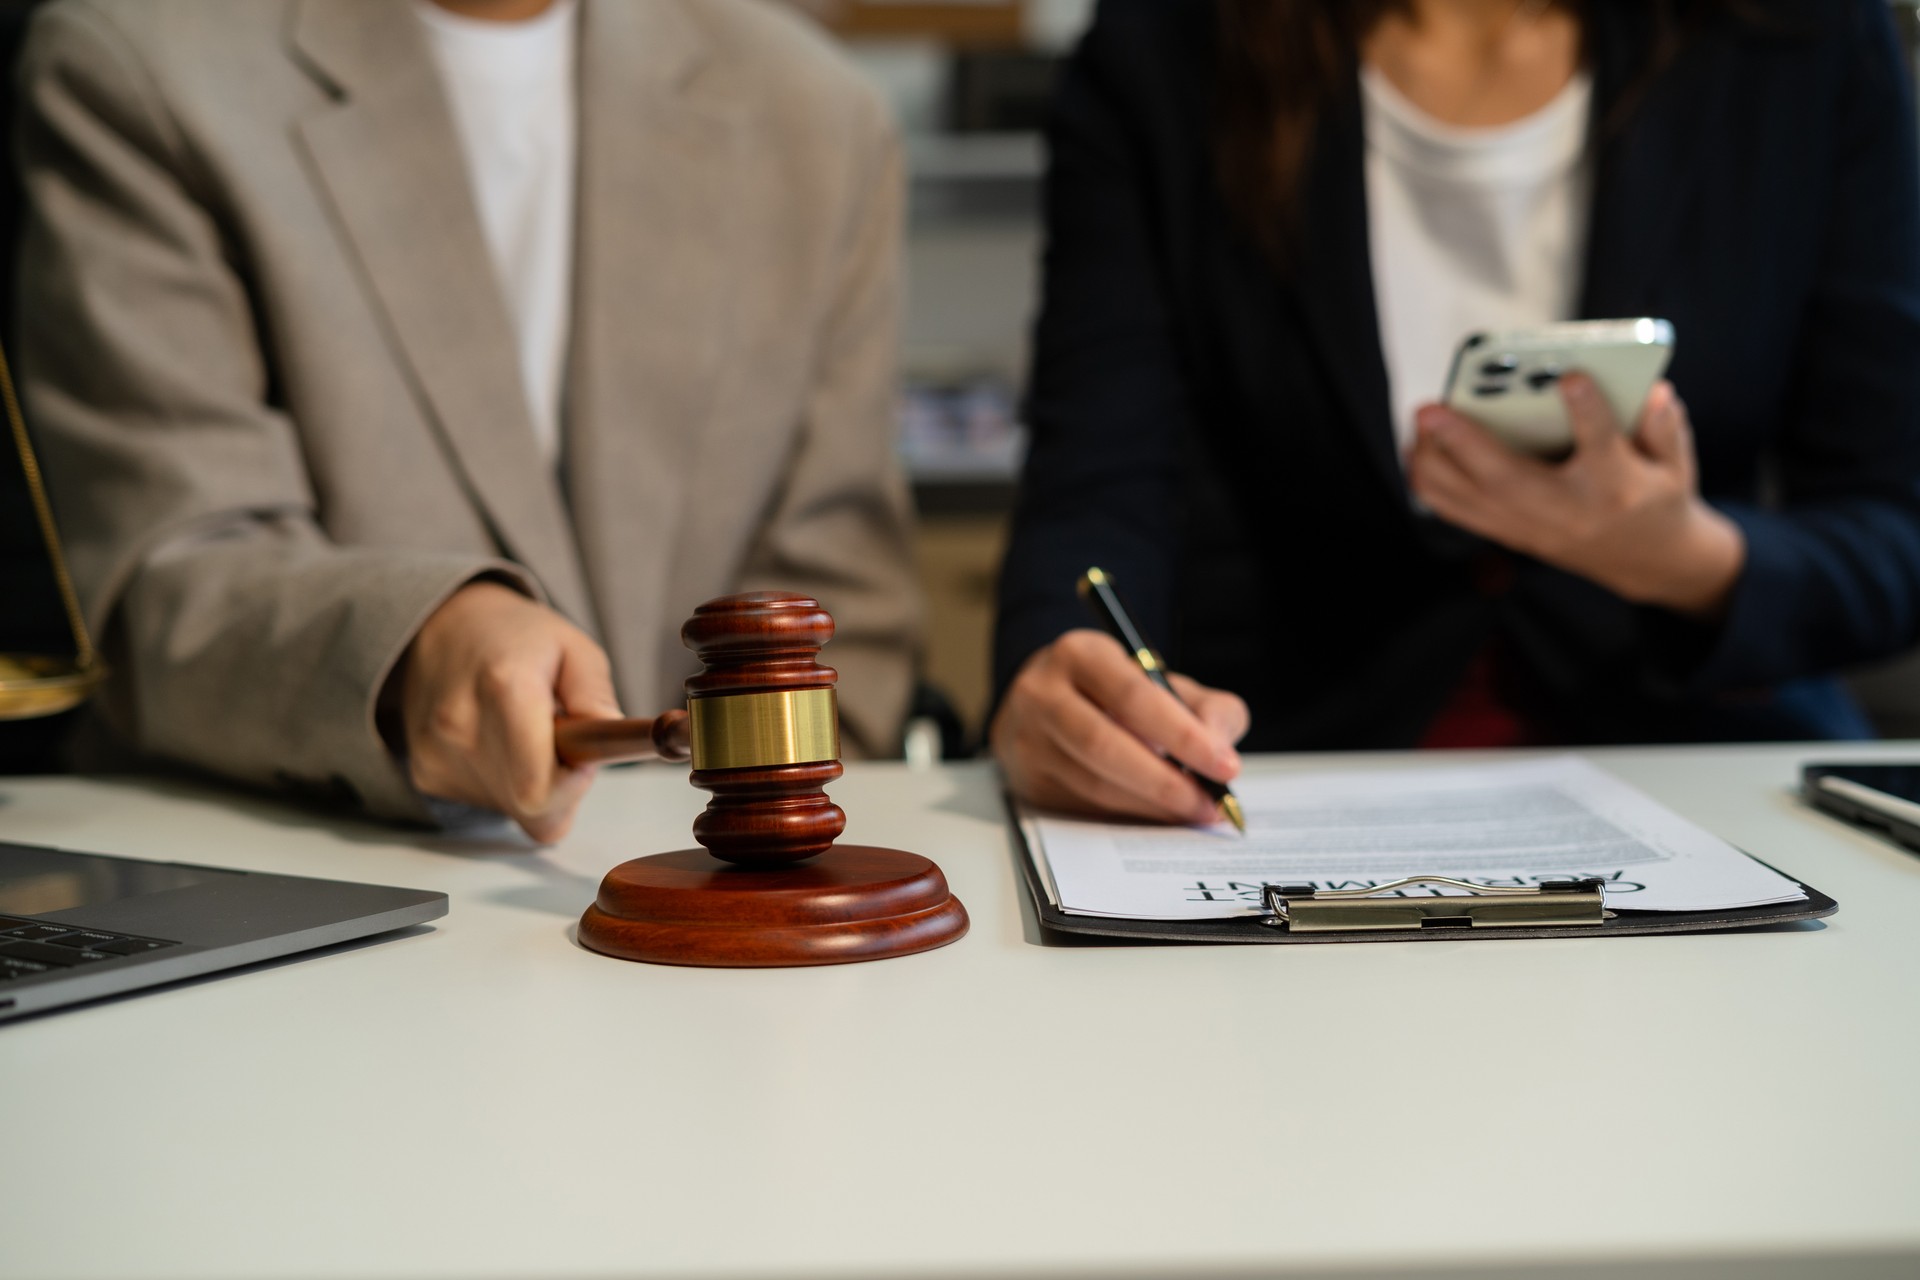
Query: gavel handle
point(579, 740)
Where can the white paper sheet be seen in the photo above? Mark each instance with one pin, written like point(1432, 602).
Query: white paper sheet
point(1499, 824)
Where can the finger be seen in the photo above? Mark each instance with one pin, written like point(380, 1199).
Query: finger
point(1039, 770)
point(1421, 453)
point(1434, 422)
point(1097, 665)
point(1662, 436)
point(1082, 733)
point(551, 825)
point(1048, 728)
point(1454, 497)
point(1463, 512)
point(517, 748)
point(1068, 784)
point(1489, 463)
point(1655, 435)
point(446, 775)
point(1223, 712)
point(1426, 421)
point(441, 737)
point(1480, 484)
point(583, 684)
point(1427, 461)
point(1150, 713)
point(1433, 416)
point(1595, 429)
point(1452, 494)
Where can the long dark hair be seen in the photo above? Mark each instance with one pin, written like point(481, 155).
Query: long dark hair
point(1281, 64)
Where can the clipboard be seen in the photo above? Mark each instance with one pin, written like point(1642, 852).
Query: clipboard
point(1291, 914)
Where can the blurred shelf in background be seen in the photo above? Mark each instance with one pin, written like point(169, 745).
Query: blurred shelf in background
point(962, 443)
point(993, 23)
point(975, 177)
point(1037, 24)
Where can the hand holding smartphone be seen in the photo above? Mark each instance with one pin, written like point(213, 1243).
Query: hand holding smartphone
point(1557, 443)
point(1508, 381)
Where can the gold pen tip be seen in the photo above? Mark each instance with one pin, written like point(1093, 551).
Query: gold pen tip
point(1230, 805)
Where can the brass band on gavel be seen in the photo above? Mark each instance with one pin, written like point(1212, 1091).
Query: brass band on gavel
point(762, 730)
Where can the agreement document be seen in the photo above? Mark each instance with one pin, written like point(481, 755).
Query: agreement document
point(1501, 824)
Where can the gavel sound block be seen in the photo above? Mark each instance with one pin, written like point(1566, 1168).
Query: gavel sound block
point(770, 887)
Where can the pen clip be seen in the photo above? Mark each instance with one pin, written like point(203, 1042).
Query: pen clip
point(1553, 904)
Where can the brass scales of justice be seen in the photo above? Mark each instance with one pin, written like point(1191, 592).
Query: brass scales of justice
point(39, 684)
point(761, 730)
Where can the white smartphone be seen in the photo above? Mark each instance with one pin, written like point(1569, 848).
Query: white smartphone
point(1508, 381)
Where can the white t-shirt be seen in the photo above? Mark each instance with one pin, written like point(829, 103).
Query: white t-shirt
point(512, 87)
point(1469, 229)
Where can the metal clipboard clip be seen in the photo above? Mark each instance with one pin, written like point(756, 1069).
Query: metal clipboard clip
point(1556, 903)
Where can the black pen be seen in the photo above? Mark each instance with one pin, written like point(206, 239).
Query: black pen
point(1096, 588)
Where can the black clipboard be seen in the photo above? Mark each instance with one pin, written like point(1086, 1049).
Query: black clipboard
point(1260, 927)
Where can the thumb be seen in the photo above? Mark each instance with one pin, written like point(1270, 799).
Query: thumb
point(1595, 428)
point(1663, 434)
point(583, 686)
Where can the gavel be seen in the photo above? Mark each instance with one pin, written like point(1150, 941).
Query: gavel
point(579, 740)
point(769, 885)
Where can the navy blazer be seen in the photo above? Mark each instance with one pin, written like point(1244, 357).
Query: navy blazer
point(1217, 435)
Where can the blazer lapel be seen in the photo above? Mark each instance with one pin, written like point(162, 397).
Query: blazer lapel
point(1647, 156)
point(653, 289)
point(1335, 274)
point(386, 154)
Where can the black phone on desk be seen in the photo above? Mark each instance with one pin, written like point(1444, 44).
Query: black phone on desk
point(1881, 797)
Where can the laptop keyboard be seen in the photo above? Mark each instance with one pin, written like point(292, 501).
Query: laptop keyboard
point(29, 947)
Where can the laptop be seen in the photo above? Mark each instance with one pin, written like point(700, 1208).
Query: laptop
point(79, 926)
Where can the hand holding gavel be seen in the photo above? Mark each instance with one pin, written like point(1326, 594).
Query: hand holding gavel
point(477, 691)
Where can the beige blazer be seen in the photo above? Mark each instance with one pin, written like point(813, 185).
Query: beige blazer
point(275, 379)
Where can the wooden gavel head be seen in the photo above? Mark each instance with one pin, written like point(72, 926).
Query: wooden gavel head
point(761, 727)
point(764, 728)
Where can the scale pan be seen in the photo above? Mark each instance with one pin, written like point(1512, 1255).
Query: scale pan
point(33, 684)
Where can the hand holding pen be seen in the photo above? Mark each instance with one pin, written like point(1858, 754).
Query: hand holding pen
point(1083, 728)
point(1098, 592)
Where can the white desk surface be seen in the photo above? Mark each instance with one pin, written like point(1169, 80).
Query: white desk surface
point(484, 1098)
